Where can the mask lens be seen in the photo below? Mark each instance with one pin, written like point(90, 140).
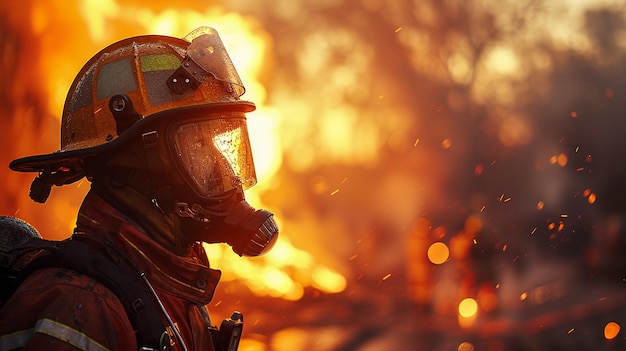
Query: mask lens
point(215, 155)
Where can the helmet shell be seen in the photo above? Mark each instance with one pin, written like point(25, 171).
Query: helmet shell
point(157, 74)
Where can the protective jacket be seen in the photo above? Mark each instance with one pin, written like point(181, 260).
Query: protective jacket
point(60, 309)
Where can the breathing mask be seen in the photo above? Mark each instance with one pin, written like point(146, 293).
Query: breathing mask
point(212, 155)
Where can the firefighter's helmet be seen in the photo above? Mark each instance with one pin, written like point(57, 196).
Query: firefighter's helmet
point(138, 81)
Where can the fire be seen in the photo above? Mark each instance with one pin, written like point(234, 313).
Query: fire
point(91, 25)
point(266, 275)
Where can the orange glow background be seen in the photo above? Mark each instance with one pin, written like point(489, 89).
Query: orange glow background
point(416, 154)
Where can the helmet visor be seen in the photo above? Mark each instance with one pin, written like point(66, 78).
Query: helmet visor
point(207, 50)
point(214, 155)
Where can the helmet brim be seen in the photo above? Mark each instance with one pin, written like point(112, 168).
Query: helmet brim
point(73, 160)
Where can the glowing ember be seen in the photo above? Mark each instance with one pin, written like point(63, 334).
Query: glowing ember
point(611, 330)
point(465, 346)
point(438, 253)
point(479, 169)
point(468, 308)
point(591, 196)
point(523, 296)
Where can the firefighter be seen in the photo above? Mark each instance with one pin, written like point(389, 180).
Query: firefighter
point(156, 124)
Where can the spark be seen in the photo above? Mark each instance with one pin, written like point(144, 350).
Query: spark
point(611, 329)
point(386, 277)
point(417, 141)
point(334, 192)
point(502, 199)
point(592, 198)
point(398, 29)
point(523, 296)
point(570, 331)
point(479, 169)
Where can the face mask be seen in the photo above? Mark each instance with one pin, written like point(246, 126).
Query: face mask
point(213, 154)
point(250, 232)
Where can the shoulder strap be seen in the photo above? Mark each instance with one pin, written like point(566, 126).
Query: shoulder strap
point(101, 261)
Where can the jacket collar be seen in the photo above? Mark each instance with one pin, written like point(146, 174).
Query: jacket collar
point(187, 276)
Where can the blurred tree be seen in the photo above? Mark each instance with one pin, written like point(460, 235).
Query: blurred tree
point(461, 105)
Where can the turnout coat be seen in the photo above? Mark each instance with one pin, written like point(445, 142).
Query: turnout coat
point(61, 309)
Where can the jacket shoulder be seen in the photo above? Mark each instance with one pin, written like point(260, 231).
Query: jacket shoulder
point(65, 302)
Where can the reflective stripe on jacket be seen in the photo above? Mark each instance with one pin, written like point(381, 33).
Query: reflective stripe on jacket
point(58, 309)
